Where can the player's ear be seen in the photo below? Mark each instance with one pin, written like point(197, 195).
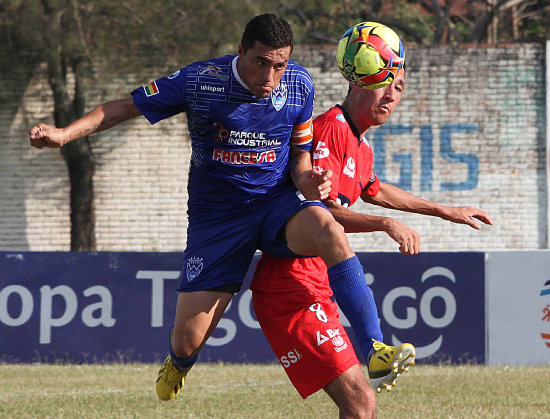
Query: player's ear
point(241, 50)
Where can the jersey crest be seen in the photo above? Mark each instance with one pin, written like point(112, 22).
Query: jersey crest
point(278, 97)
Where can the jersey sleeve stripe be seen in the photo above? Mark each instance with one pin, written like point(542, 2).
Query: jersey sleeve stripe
point(302, 133)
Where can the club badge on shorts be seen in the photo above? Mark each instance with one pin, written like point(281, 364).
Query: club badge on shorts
point(193, 268)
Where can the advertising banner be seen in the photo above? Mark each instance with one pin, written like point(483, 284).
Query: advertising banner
point(518, 305)
point(436, 301)
point(102, 307)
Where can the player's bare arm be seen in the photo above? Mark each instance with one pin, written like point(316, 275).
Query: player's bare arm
point(99, 119)
point(467, 215)
point(312, 184)
point(391, 196)
point(354, 222)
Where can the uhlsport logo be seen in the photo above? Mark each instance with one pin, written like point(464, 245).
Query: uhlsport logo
point(545, 334)
point(174, 75)
point(278, 97)
point(193, 268)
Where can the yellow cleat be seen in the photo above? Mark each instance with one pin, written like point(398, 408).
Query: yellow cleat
point(170, 380)
point(386, 363)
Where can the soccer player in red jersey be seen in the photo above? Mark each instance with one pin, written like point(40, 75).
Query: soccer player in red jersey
point(292, 297)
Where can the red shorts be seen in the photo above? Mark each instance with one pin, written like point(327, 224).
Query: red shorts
point(303, 329)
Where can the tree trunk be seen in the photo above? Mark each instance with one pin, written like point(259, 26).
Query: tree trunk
point(77, 154)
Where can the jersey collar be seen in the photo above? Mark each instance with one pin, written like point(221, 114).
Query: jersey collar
point(236, 73)
point(351, 124)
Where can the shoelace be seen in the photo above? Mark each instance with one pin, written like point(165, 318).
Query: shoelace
point(379, 346)
point(172, 374)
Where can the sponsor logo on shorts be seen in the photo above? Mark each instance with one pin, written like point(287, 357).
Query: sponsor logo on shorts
point(328, 334)
point(193, 268)
point(339, 343)
point(290, 358)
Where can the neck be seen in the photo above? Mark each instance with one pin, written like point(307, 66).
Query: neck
point(354, 111)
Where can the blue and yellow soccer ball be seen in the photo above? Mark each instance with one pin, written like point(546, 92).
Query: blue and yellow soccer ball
point(370, 55)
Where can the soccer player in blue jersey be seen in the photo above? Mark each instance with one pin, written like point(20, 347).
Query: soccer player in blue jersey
point(251, 183)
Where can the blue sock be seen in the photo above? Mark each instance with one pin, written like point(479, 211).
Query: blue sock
point(347, 280)
point(182, 363)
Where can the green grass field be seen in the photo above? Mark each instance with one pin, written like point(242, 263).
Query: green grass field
point(263, 391)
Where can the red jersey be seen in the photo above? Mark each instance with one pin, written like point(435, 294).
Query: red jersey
point(337, 146)
point(292, 296)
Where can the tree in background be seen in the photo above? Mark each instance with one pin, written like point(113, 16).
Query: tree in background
point(425, 22)
point(84, 40)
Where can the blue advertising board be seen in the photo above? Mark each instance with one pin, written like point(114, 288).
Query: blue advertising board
point(114, 306)
point(435, 301)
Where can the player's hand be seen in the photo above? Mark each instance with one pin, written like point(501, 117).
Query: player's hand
point(406, 237)
point(467, 215)
point(43, 135)
point(314, 185)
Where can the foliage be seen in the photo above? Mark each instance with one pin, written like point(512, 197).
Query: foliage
point(167, 33)
point(87, 39)
point(171, 33)
point(426, 22)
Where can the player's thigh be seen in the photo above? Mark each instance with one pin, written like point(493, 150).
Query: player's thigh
point(220, 247)
point(282, 207)
point(306, 335)
point(314, 231)
point(197, 315)
point(352, 394)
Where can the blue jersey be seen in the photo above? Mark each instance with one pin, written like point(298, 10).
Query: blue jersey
point(240, 143)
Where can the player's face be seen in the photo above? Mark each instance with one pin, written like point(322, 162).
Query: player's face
point(262, 67)
point(378, 104)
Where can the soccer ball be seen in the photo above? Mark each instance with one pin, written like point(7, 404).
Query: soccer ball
point(370, 55)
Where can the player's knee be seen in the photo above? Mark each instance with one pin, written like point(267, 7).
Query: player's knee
point(185, 346)
point(331, 232)
point(333, 242)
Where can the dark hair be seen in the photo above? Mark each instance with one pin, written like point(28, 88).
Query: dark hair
point(268, 29)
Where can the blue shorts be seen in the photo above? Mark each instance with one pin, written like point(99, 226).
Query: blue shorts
point(221, 243)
